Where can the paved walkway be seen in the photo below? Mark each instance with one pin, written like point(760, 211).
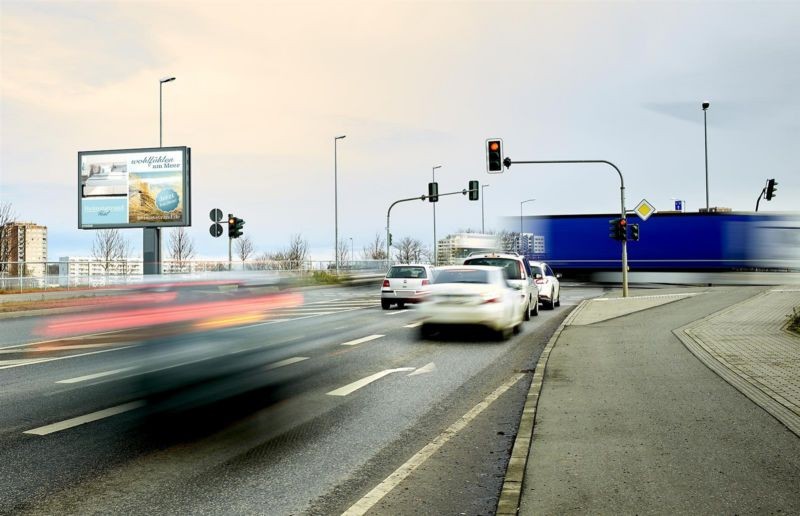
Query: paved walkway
point(628, 420)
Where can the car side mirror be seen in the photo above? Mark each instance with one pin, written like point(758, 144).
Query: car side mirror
point(538, 276)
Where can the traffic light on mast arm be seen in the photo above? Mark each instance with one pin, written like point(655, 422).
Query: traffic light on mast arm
point(235, 227)
point(771, 184)
point(494, 156)
point(433, 192)
point(474, 190)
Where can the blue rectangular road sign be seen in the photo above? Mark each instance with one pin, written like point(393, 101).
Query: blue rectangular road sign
point(678, 205)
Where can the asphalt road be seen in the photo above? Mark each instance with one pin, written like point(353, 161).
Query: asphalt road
point(353, 394)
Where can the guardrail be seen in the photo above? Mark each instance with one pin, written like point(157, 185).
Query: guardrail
point(63, 275)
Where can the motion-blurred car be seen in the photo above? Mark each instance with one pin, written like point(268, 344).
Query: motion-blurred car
point(472, 295)
point(518, 273)
point(405, 284)
point(548, 284)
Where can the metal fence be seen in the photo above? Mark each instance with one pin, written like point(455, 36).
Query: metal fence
point(24, 276)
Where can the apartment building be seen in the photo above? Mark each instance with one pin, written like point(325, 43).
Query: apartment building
point(23, 249)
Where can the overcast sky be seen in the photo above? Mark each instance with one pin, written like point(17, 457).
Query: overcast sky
point(263, 88)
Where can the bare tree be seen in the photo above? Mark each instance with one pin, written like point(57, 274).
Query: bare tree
point(108, 247)
point(375, 250)
point(244, 247)
point(181, 246)
point(343, 252)
point(411, 250)
point(298, 250)
point(6, 215)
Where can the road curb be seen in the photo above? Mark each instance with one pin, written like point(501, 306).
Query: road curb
point(511, 493)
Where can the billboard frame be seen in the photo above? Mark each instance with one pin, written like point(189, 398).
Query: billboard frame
point(186, 220)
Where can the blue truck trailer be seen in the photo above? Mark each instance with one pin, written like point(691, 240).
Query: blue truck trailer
point(669, 241)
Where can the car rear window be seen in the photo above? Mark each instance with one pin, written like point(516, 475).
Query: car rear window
point(407, 272)
point(535, 269)
point(462, 276)
point(511, 267)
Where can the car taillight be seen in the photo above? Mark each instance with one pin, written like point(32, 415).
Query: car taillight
point(386, 283)
point(540, 281)
point(425, 282)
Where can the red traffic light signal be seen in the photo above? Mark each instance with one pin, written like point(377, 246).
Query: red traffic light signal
point(494, 156)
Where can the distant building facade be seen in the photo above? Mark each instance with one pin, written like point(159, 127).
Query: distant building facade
point(77, 269)
point(453, 249)
point(24, 249)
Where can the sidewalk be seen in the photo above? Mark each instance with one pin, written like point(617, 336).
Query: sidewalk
point(686, 401)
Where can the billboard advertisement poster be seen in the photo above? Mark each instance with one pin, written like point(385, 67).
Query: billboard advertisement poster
point(134, 188)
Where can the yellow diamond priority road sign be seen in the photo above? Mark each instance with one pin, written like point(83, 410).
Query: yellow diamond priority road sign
point(644, 209)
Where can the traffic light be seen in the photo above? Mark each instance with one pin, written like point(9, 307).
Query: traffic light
point(635, 232)
point(433, 192)
point(617, 229)
point(771, 184)
point(235, 227)
point(390, 239)
point(494, 156)
point(474, 190)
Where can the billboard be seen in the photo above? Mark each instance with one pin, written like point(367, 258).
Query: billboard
point(134, 188)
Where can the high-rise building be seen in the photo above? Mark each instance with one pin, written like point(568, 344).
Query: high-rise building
point(24, 249)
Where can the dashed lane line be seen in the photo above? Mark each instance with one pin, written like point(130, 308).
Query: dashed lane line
point(413, 325)
point(96, 375)
point(398, 312)
point(87, 418)
point(43, 360)
point(361, 340)
point(286, 362)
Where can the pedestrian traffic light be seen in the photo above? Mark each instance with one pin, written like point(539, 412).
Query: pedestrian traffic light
point(617, 229)
point(635, 232)
point(474, 190)
point(433, 192)
point(494, 156)
point(771, 184)
point(235, 227)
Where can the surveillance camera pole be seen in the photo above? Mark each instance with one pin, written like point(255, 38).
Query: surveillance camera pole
point(508, 162)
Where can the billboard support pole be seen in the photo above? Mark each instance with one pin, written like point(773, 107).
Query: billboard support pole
point(151, 251)
point(508, 162)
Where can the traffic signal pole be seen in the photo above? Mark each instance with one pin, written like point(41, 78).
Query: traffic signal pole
point(419, 198)
point(508, 162)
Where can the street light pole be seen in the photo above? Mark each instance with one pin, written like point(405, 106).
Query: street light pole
point(705, 133)
point(160, 117)
point(483, 227)
point(435, 252)
point(151, 237)
point(336, 202)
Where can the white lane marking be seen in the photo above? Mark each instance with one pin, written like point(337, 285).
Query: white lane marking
point(361, 340)
point(43, 360)
point(288, 361)
point(21, 361)
point(382, 489)
point(71, 346)
point(399, 312)
point(88, 418)
point(352, 387)
point(413, 325)
point(95, 375)
point(427, 368)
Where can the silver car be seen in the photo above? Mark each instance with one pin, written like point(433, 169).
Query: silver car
point(405, 284)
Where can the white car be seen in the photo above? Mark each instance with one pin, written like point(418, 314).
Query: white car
point(405, 284)
point(518, 273)
point(548, 284)
point(472, 295)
